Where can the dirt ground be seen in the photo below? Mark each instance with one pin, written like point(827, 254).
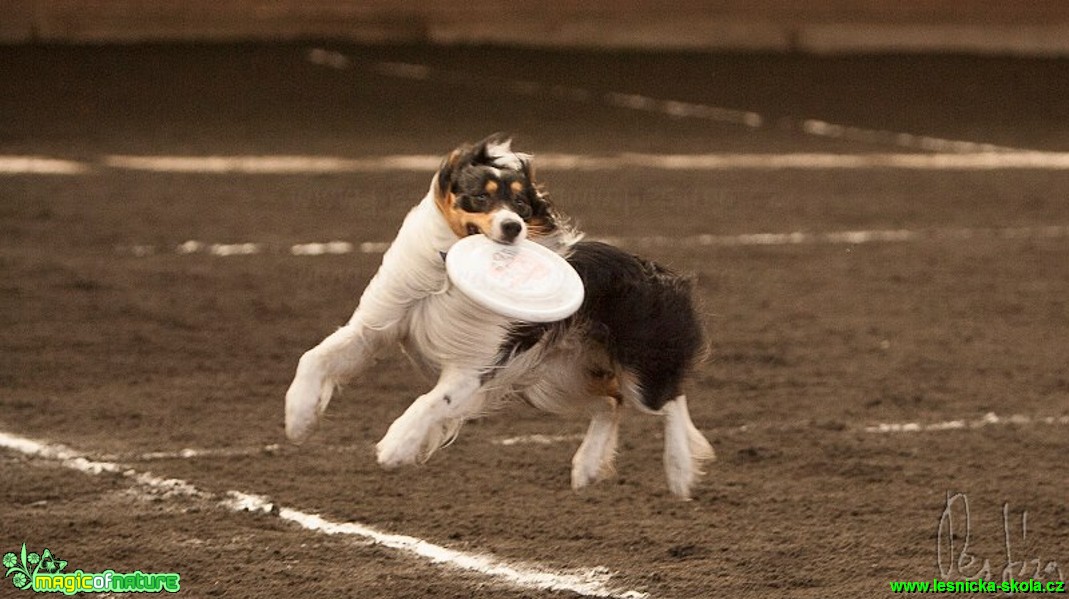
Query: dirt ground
point(813, 344)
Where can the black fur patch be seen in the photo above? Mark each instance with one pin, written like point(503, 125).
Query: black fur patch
point(639, 311)
point(642, 314)
point(522, 337)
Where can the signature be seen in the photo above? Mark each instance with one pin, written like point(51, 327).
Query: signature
point(956, 561)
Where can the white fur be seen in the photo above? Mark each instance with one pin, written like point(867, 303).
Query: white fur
point(685, 448)
point(500, 218)
point(501, 155)
point(595, 458)
point(411, 301)
point(407, 301)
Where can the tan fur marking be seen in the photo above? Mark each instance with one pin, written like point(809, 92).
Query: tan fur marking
point(492, 187)
point(516, 187)
point(604, 384)
point(458, 220)
point(484, 222)
point(537, 227)
point(447, 206)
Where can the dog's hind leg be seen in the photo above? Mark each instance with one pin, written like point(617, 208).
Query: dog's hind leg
point(685, 448)
point(433, 420)
point(594, 460)
point(342, 355)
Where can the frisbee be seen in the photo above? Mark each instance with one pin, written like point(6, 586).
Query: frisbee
point(524, 280)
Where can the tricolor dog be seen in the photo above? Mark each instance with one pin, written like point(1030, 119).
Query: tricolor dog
point(632, 342)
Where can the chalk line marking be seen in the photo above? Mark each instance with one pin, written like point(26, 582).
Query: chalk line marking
point(843, 237)
point(319, 249)
point(333, 248)
point(668, 107)
point(537, 439)
point(40, 165)
point(272, 164)
point(587, 583)
point(190, 453)
point(821, 128)
point(427, 163)
point(989, 419)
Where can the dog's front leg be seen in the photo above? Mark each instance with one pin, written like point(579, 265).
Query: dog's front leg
point(432, 420)
point(343, 354)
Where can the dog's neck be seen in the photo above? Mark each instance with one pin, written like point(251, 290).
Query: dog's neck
point(430, 228)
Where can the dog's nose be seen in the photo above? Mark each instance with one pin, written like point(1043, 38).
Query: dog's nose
point(510, 229)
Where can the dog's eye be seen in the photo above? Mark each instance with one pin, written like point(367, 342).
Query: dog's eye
point(475, 203)
point(523, 209)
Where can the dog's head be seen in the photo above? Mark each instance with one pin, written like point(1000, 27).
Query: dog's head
point(487, 188)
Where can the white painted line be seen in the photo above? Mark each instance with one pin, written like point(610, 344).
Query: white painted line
point(234, 249)
point(954, 157)
point(40, 165)
point(76, 461)
point(947, 161)
point(905, 140)
point(192, 453)
point(840, 237)
point(328, 58)
point(425, 163)
point(272, 165)
point(676, 108)
point(703, 240)
point(536, 440)
point(318, 249)
point(681, 109)
point(587, 583)
point(591, 583)
point(989, 419)
point(374, 247)
point(190, 247)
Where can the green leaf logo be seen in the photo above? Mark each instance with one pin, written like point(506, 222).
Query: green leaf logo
point(50, 564)
point(23, 567)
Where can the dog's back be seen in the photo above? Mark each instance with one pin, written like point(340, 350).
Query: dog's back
point(643, 316)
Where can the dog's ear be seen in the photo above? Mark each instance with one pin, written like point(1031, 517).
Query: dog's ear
point(479, 152)
point(451, 165)
point(488, 151)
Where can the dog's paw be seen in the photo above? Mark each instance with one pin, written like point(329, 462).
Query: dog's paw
point(402, 446)
point(392, 454)
point(306, 400)
point(589, 469)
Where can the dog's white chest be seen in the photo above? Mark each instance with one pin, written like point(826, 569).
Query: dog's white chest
point(448, 328)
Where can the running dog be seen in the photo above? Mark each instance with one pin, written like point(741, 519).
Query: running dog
point(633, 340)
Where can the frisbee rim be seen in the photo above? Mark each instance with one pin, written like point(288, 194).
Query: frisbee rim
point(504, 305)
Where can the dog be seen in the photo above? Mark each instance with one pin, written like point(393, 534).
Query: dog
point(632, 342)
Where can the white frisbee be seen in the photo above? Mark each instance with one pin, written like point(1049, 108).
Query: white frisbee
point(525, 281)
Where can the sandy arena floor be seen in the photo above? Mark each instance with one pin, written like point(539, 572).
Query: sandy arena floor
point(910, 342)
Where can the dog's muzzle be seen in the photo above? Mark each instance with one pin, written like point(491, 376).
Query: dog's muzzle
point(508, 227)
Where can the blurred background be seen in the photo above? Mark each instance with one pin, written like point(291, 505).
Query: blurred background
point(996, 26)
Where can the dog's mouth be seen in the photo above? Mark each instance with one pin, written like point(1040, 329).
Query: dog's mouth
point(502, 230)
